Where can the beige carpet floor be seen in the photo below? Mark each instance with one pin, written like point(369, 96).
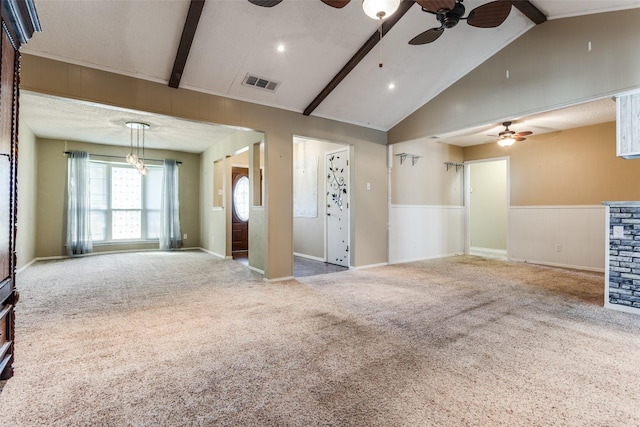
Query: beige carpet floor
point(185, 339)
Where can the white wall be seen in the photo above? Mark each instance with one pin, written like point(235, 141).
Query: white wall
point(488, 201)
point(424, 232)
point(27, 192)
point(536, 231)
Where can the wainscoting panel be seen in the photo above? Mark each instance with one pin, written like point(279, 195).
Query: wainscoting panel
point(423, 232)
point(564, 236)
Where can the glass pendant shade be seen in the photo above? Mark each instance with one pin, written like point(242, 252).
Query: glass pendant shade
point(137, 134)
point(379, 9)
point(506, 142)
point(131, 158)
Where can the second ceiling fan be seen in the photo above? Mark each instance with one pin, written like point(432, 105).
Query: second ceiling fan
point(338, 4)
point(450, 12)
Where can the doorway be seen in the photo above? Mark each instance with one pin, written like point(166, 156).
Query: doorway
point(240, 212)
point(487, 208)
point(318, 247)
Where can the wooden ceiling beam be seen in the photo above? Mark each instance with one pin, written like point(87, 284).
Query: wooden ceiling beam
point(405, 5)
point(188, 33)
point(530, 11)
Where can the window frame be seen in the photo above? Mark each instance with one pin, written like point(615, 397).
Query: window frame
point(144, 210)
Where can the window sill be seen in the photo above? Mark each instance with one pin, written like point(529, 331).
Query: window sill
point(126, 242)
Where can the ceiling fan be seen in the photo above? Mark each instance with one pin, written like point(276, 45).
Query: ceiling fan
point(508, 137)
point(450, 12)
point(339, 4)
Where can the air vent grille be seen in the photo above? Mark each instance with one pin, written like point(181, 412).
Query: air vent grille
point(260, 82)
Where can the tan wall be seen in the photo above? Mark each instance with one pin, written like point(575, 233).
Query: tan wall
point(52, 187)
point(427, 182)
point(68, 80)
point(27, 192)
point(573, 167)
point(549, 67)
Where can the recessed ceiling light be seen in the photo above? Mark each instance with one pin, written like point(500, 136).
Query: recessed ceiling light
point(280, 47)
point(391, 86)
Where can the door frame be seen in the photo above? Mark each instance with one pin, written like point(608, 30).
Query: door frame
point(347, 149)
point(467, 200)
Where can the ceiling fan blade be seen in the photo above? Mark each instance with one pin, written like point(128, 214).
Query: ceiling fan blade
point(427, 37)
point(338, 4)
point(489, 15)
point(519, 138)
point(525, 133)
point(265, 3)
point(436, 5)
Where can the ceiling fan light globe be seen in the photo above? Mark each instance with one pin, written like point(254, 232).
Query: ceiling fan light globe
point(379, 9)
point(506, 142)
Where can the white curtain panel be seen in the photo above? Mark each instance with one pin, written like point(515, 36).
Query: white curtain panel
point(170, 233)
point(79, 204)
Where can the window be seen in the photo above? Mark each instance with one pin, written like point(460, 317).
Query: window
point(241, 198)
point(124, 204)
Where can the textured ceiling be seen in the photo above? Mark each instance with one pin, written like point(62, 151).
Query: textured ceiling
point(140, 38)
point(57, 118)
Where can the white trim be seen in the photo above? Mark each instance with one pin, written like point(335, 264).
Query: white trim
point(555, 264)
point(558, 207)
point(427, 206)
point(607, 252)
point(279, 279)
point(311, 257)
point(404, 261)
point(257, 270)
point(364, 267)
point(488, 252)
point(620, 307)
point(212, 253)
point(24, 267)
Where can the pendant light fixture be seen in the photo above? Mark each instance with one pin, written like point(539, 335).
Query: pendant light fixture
point(136, 159)
point(380, 9)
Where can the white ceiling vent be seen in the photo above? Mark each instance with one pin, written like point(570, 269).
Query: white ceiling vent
point(260, 82)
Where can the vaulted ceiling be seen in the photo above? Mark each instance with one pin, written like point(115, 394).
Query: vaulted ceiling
point(235, 38)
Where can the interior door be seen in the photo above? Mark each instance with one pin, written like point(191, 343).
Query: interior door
point(240, 210)
point(337, 173)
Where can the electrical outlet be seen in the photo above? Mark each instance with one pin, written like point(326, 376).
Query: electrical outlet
point(558, 248)
point(185, 237)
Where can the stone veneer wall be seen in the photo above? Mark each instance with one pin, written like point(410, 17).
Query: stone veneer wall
point(624, 256)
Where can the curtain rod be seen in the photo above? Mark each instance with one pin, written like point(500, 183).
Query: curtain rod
point(66, 153)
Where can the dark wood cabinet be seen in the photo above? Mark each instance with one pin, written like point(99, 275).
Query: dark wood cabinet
point(19, 22)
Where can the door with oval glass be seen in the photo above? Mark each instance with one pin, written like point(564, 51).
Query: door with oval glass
point(240, 210)
point(337, 173)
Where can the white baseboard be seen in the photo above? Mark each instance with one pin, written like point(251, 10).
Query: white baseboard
point(425, 258)
point(311, 257)
point(279, 279)
point(364, 267)
point(257, 270)
point(215, 254)
point(559, 265)
point(24, 267)
point(488, 253)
